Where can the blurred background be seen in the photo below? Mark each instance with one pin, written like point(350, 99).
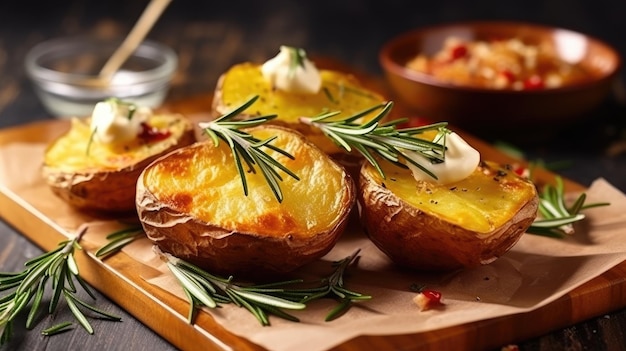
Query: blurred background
point(210, 36)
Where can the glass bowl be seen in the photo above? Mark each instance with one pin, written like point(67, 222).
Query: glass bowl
point(60, 67)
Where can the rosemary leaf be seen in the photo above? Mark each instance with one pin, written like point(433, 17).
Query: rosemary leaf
point(80, 317)
point(264, 299)
point(269, 300)
point(9, 285)
point(118, 240)
point(57, 329)
point(85, 287)
point(383, 139)
point(44, 256)
point(192, 306)
point(114, 246)
point(194, 289)
point(103, 314)
point(57, 267)
point(280, 313)
point(34, 308)
point(557, 222)
point(247, 149)
point(556, 219)
point(20, 301)
point(339, 310)
point(58, 286)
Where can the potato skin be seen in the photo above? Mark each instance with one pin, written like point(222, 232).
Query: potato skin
point(249, 247)
point(106, 190)
point(423, 241)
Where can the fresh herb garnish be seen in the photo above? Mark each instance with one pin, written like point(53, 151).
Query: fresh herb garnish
point(60, 269)
point(90, 141)
point(557, 218)
point(205, 289)
point(298, 57)
point(119, 239)
point(249, 148)
point(333, 286)
point(131, 106)
point(385, 140)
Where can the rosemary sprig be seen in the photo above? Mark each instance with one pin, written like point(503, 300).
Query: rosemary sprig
point(205, 289)
point(57, 267)
point(298, 57)
point(333, 287)
point(247, 147)
point(373, 138)
point(119, 239)
point(557, 218)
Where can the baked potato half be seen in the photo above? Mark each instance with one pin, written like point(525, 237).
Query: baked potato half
point(97, 177)
point(192, 205)
point(339, 92)
point(425, 226)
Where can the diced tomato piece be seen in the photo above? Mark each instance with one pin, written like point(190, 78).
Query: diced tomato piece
point(458, 52)
point(150, 133)
point(427, 299)
point(533, 82)
point(510, 76)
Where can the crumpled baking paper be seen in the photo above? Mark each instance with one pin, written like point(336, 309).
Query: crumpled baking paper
point(537, 271)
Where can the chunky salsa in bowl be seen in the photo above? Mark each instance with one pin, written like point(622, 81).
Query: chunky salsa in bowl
point(499, 75)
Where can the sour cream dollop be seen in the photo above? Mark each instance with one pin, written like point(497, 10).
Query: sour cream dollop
point(292, 72)
point(114, 121)
point(460, 161)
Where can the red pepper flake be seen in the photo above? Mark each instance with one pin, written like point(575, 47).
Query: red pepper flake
point(427, 299)
point(150, 133)
point(533, 82)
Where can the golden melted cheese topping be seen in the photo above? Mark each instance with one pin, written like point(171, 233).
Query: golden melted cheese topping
point(483, 201)
point(202, 181)
point(339, 92)
point(74, 152)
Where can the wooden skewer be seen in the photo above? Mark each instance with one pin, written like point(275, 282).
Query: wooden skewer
point(147, 20)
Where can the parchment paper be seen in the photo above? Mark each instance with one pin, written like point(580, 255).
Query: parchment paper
point(537, 271)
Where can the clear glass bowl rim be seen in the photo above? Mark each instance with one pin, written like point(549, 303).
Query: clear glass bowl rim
point(148, 48)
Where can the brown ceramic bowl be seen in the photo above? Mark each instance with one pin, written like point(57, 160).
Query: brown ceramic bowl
point(482, 109)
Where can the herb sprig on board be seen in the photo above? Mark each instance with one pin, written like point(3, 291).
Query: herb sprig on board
point(117, 240)
point(556, 217)
point(57, 269)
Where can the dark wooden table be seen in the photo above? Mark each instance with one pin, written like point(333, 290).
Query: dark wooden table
point(210, 37)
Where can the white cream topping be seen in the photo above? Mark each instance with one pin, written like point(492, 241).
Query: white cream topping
point(460, 161)
point(113, 122)
point(292, 72)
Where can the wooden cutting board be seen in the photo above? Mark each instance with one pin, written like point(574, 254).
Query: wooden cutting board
point(119, 277)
